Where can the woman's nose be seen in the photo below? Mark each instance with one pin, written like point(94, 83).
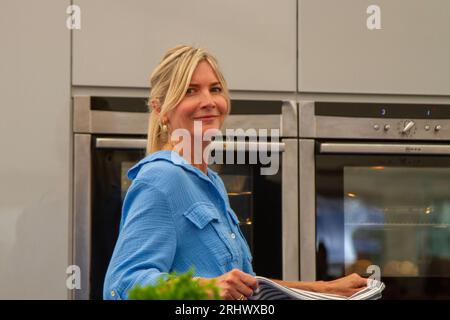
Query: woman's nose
point(207, 100)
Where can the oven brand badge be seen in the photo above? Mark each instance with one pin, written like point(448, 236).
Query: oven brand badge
point(413, 149)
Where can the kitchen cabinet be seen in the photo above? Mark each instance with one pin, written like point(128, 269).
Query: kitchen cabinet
point(409, 54)
point(120, 42)
point(35, 141)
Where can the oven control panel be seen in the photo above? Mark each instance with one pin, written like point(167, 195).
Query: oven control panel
point(408, 128)
point(374, 121)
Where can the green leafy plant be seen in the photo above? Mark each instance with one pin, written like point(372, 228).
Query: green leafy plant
point(176, 287)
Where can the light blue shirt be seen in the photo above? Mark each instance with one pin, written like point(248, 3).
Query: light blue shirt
point(174, 217)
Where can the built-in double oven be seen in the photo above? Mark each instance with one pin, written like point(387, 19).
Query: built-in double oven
point(260, 172)
point(375, 195)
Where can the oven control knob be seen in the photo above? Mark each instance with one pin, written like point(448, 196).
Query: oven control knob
point(387, 127)
point(438, 128)
point(407, 127)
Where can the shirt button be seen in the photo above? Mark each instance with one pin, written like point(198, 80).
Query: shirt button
point(113, 294)
point(233, 236)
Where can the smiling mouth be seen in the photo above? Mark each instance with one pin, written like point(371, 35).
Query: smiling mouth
point(206, 118)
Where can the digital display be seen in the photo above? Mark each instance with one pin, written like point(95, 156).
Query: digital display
point(378, 110)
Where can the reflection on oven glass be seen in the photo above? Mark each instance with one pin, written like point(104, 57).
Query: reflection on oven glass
point(399, 219)
point(330, 237)
point(238, 181)
point(236, 184)
point(124, 181)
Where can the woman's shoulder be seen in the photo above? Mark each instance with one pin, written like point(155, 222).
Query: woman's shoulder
point(156, 171)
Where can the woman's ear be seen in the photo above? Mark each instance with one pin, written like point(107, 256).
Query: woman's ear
point(156, 107)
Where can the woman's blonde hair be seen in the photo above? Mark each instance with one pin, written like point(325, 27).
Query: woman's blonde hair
point(168, 84)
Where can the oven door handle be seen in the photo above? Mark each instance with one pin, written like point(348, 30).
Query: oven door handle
point(129, 143)
point(120, 143)
point(384, 148)
point(250, 146)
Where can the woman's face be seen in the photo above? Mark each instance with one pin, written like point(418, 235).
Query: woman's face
point(203, 102)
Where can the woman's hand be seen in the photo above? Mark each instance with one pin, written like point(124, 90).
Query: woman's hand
point(236, 285)
point(345, 286)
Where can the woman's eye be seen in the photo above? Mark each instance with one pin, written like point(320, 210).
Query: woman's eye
point(190, 90)
point(216, 89)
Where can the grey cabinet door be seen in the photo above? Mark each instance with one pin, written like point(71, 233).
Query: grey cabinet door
point(120, 42)
point(410, 54)
point(35, 149)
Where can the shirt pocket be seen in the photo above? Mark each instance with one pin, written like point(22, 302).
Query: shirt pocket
point(210, 231)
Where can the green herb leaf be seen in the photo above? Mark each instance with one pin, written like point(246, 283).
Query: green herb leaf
point(176, 287)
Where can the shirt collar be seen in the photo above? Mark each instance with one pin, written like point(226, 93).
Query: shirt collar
point(172, 157)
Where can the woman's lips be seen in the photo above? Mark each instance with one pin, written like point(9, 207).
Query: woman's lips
point(205, 118)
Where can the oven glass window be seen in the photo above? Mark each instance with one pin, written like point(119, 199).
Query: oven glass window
point(124, 181)
point(109, 186)
point(256, 200)
point(398, 219)
point(388, 215)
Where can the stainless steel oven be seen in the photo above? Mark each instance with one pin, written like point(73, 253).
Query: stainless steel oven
point(374, 190)
point(110, 137)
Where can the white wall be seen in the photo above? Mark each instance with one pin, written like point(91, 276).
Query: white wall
point(35, 149)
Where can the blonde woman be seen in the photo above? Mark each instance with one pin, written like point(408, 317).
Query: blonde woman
point(176, 214)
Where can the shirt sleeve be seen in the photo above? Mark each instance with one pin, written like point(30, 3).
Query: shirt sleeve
point(146, 245)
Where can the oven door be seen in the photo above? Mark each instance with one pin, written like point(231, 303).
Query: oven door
point(269, 226)
point(100, 184)
point(383, 205)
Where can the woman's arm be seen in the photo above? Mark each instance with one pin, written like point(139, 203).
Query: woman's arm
point(236, 285)
point(314, 286)
point(146, 245)
point(345, 286)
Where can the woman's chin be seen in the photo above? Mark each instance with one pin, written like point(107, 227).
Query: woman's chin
point(208, 128)
point(210, 125)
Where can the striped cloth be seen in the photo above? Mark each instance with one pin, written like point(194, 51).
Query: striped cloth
point(270, 290)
